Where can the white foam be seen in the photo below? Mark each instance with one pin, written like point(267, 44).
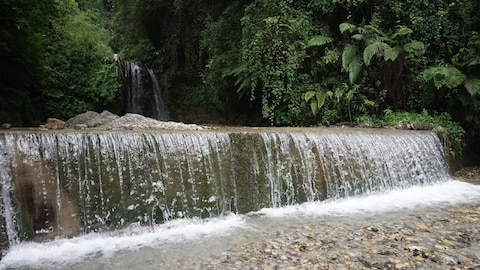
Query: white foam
point(69, 251)
point(449, 192)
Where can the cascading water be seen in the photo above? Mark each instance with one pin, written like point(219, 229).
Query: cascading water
point(133, 88)
point(65, 184)
point(143, 94)
point(161, 112)
point(8, 232)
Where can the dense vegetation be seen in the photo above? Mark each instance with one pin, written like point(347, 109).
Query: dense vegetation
point(256, 62)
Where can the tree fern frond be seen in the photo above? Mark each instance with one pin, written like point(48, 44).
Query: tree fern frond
point(428, 73)
point(473, 86)
point(392, 53)
point(416, 48)
point(358, 37)
point(450, 77)
point(319, 40)
point(455, 79)
point(402, 31)
point(475, 61)
point(373, 49)
point(347, 27)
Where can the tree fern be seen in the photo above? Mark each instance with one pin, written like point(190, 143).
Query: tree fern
point(392, 53)
point(450, 77)
point(347, 27)
point(372, 49)
point(402, 31)
point(415, 48)
point(473, 86)
point(318, 40)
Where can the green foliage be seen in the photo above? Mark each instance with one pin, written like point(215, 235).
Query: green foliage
point(318, 40)
point(247, 59)
point(450, 77)
point(450, 131)
point(22, 33)
point(79, 68)
point(473, 86)
point(273, 49)
point(316, 99)
point(374, 48)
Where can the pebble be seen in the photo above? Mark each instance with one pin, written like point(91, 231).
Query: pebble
point(446, 238)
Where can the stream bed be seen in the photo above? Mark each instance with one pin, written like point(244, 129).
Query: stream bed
point(428, 227)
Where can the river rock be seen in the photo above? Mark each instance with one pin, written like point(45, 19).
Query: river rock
point(82, 118)
point(54, 123)
point(80, 126)
point(102, 119)
point(6, 126)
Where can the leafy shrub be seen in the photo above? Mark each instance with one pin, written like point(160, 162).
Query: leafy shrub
point(450, 132)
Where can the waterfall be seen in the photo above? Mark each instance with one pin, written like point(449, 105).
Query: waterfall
point(64, 184)
point(160, 109)
point(143, 94)
point(134, 88)
point(8, 235)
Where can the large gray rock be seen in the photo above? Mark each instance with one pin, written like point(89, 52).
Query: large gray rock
point(130, 121)
point(135, 121)
point(82, 118)
point(92, 119)
point(102, 119)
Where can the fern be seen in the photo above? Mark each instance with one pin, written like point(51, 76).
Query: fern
point(416, 48)
point(392, 53)
point(319, 41)
point(373, 49)
point(450, 77)
point(473, 86)
point(358, 37)
point(347, 27)
point(402, 31)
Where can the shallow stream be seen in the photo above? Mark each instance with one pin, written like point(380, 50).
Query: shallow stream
point(190, 243)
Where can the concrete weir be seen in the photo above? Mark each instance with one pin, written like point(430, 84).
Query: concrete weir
point(66, 183)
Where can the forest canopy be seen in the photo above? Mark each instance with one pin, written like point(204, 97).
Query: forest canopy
point(257, 62)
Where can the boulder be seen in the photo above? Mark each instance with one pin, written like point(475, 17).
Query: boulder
point(54, 123)
point(92, 119)
point(102, 119)
point(6, 126)
point(82, 118)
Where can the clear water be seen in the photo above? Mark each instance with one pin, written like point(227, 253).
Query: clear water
point(190, 240)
